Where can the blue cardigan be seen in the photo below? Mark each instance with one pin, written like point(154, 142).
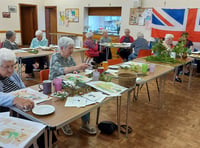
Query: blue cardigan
point(6, 99)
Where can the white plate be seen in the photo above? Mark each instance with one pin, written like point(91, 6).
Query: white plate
point(113, 67)
point(43, 109)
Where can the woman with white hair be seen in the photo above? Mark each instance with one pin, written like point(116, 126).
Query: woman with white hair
point(139, 43)
point(168, 41)
point(93, 49)
point(10, 40)
point(62, 63)
point(10, 81)
point(37, 42)
point(106, 39)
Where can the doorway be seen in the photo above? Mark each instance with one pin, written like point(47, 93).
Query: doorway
point(28, 23)
point(51, 24)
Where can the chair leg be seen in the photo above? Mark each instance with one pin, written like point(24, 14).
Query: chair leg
point(148, 92)
point(157, 85)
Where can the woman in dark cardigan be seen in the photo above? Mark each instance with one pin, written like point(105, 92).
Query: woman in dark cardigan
point(10, 43)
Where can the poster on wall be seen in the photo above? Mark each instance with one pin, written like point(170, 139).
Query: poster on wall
point(61, 18)
point(140, 16)
point(72, 15)
point(6, 14)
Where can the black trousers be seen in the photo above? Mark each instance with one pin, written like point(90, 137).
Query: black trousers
point(29, 65)
point(124, 53)
point(100, 58)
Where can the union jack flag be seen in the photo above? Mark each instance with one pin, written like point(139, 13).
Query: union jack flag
point(176, 21)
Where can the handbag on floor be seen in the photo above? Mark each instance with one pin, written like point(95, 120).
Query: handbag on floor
point(107, 127)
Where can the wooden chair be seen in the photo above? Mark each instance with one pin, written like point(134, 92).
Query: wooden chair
point(88, 57)
point(115, 61)
point(44, 75)
point(144, 53)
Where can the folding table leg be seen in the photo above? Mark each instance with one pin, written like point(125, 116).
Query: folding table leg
point(157, 85)
point(148, 92)
point(98, 112)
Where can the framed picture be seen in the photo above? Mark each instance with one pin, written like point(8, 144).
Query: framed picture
point(6, 14)
point(12, 9)
point(72, 15)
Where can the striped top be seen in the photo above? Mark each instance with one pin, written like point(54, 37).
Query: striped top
point(8, 85)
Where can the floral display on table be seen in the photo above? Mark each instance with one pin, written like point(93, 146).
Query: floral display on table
point(161, 54)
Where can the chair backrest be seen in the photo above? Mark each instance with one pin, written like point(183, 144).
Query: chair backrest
point(44, 75)
point(114, 61)
point(144, 53)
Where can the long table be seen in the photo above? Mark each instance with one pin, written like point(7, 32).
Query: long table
point(65, 115)
point(175, 66)
point(25, 55)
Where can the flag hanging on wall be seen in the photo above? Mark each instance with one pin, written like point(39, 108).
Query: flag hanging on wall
point(176, 21)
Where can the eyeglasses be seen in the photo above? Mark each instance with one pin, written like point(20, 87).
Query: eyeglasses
point(8, 67)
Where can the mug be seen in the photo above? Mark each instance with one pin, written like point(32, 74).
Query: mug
point(96, 75)
point(105, 65)
point(57, 82)
point(46, 87)
point(100, 69)
point(152, 68)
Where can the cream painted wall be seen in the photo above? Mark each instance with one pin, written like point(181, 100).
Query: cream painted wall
point(13, 23)
point(125, 4)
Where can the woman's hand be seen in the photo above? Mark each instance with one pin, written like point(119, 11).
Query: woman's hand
point(82, 66)
point(25, 104)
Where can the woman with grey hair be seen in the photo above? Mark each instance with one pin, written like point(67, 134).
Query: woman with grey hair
point(10, 43)
point(10, 81)
point(62, 63)
point(139, 43)
point(10, 40)
point(89, 43)
point(106, 39)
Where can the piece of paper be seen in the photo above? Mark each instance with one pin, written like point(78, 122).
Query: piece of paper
point(28, 93)
point(86, 99)
point(16, 133)
point(73, 77)
point(107, 87)
point(19, 51)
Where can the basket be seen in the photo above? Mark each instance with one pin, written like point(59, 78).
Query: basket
point(127, 79)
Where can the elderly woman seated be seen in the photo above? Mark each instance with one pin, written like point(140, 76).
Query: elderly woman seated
point(62, 63)
point(106, 39)
point(93, 49)
point(37, 42)
point(10, 43)
point(10, 81)
point(139, 43)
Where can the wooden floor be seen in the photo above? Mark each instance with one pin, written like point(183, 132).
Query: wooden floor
point(175, 125)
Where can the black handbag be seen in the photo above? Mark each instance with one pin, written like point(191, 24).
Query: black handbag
point(107, 127)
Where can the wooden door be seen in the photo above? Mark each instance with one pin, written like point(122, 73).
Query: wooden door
point(51, 23)
point(28, 21)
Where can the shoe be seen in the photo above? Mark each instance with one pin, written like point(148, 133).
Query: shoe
point(178, 80)
point(187, 73)
point(67, 130)
point(89, 129)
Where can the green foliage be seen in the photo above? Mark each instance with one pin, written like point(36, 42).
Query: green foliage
point(162, 59)
point(180, 48)
point(159, 49)
point(34, 51)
